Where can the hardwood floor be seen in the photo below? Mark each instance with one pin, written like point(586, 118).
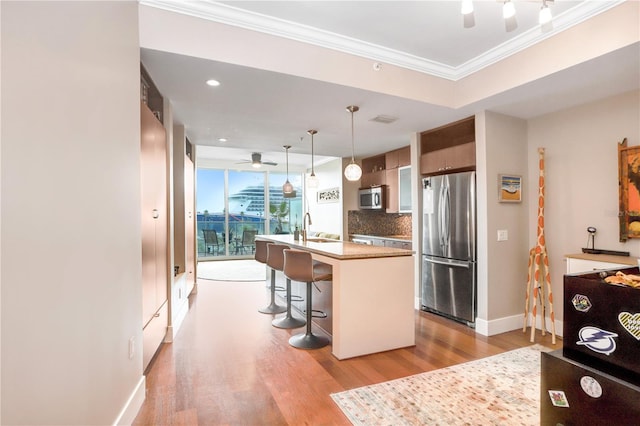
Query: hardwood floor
point(229, 366)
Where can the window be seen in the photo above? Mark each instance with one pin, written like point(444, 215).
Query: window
point(231, 202)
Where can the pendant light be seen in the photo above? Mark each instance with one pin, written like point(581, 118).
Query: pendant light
point(312, 180)
point(287, 188)
point(352, 172)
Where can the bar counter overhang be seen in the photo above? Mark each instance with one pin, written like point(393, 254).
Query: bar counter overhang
point(373, 294)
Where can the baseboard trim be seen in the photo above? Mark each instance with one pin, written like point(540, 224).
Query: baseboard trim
point(514, 322)
point(132, 406)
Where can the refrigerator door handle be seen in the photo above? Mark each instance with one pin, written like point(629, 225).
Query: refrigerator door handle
point(450, 262)
point(447, 215)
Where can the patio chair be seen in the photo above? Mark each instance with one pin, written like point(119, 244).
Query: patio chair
point(211, 241)
point(248, 241)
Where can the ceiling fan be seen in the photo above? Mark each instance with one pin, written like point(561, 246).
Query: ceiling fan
point(256, 161)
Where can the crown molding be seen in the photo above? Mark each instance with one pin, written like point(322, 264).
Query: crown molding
point(230, 15)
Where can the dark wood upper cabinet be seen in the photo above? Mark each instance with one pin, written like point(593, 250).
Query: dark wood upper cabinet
point(449, 148)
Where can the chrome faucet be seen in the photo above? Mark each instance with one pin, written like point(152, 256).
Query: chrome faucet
point(304, 225)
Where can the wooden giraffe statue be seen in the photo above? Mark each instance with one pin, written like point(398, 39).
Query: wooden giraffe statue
point(539, 262)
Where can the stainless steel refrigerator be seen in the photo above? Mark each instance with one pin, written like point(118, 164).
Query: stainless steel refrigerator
point(449, 246)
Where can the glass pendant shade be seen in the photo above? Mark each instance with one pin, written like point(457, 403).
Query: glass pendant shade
point(312, 181)
point(352, 172)
point(287, 188)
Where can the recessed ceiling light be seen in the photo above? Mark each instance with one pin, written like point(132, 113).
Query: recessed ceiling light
point(213, 83)
point(222, 140)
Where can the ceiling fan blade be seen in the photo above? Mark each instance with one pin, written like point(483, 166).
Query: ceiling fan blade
point(243, 162)
point(269, 163)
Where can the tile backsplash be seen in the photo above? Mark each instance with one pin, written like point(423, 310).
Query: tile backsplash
point(371, 222)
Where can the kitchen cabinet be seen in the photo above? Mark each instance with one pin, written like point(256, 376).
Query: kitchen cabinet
point(398, 190)
point(155, 269)
point(397, 162)
point(383, 170)
point(398, 244)
point(392, 196)
point(370, 179)
point(190, 220)
point(404, 189)
point(384, 241)
point(398, 158)
point(454, 158)
point(373, 171)
point(184, 208)
point(449, 148)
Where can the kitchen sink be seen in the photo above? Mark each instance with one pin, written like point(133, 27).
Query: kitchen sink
point(322, 240)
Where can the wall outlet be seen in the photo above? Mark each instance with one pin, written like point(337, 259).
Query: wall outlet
point(132, 346)
point(503, 235)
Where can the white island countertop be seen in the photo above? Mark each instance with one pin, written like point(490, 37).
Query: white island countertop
point(337, 249)
point(372, 294)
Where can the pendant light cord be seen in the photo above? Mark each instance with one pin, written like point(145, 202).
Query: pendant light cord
point(352, 109)
point(353, 149)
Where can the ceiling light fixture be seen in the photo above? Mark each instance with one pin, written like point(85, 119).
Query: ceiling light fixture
point(222, 139)
point(213, 83)
point(287, 188)
point(508, 9)
point(312, 180)
point(545, 14)
point(352, 172)
point(467, 7)
point(508, 13)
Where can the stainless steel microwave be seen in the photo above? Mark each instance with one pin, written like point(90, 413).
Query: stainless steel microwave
point(371, 198)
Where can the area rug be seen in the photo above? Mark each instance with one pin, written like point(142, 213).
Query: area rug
point(499, 390)
point(232, 270)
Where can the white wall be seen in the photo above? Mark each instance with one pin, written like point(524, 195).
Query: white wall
point(71, 263)
point(327, 217)
point(502, 148)
point(581, 175)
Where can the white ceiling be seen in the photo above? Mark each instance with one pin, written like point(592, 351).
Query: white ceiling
point(260, 111)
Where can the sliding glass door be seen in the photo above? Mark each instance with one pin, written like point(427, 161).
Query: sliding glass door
point(234, 206)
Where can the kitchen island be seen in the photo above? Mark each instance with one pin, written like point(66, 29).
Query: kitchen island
point(373, 294)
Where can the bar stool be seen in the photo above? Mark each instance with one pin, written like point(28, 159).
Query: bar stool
point(299, 266)
point(288, 321)
point(262, 256)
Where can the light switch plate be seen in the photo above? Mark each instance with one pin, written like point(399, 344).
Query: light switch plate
point(503, 235)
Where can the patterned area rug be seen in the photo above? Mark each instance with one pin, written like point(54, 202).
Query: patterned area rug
point(499, 390)
point(232, 270)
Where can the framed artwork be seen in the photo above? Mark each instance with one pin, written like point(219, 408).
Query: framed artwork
point(629, 190)
point(331, 195)
point(509, 188)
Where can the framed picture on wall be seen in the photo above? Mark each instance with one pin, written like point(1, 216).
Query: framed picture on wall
point(629, 190)
point(509, 188)
point(331, 195)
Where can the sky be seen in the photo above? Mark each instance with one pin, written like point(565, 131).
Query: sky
point(210, 185)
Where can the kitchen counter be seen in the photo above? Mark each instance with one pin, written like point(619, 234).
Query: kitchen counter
point(342, 250)
point(372, 294)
